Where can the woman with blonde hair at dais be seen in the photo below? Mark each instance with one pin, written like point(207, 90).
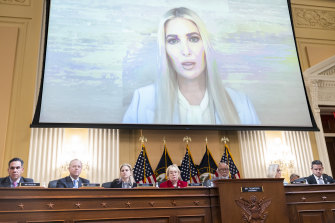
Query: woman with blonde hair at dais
point(173, 178)
point(189, 89)
point(126, 179)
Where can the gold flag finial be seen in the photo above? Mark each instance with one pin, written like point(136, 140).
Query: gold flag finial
point(142, 139)
point(164, 140)
point(187, 139)
point(206, 140)
point(224, 139)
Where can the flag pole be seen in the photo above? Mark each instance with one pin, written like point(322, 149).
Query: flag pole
point(142, 139)
point(164, 141)
point(189, 163)
point(144, 179)
point(209, 164)
point(188, 139)
point(225, 140)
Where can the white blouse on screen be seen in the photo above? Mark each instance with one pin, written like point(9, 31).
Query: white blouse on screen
point(194, 114)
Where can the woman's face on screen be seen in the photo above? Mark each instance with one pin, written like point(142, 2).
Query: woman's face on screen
point(185, 48)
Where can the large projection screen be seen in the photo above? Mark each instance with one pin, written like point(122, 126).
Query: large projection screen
point(221, 64)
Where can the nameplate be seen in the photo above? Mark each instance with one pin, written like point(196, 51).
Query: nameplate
point(251, 189)
point(195, 184)
point(145, 185)
point(298, 182)
point(91, 185)
point(29, 184)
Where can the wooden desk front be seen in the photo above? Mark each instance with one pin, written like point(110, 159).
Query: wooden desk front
point(109, 205)
point(311, 203)
point(302, 204)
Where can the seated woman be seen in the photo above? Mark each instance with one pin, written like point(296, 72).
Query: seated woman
point(126, 179)
point(174, 179)
point(274, 171)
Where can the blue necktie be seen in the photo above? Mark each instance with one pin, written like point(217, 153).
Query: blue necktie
point(321, 180)
point(75, 183)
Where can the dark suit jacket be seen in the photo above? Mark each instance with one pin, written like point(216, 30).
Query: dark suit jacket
point(327, 179)
point(66, 182)
point(115, 184)
point(5, 181)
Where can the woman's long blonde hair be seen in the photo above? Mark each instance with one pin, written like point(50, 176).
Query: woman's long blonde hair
point(167, 86)
point(272, 170)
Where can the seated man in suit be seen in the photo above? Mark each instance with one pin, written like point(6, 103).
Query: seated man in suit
point(15, 170)
point(222, 171)
point(318, 177)
point(73, 181)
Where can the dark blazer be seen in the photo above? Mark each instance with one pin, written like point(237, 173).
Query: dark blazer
point(5, 181)
point(115, 184)
point(168, 184)
point(66, 182)
point(327, 179)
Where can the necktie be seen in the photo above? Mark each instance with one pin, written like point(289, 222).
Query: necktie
point(321, 181)
point(75, 183)
point(15, 184)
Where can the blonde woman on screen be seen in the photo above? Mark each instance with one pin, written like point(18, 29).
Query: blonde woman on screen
point(189, 89)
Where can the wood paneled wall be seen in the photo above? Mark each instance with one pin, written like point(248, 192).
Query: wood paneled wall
point(20, 27)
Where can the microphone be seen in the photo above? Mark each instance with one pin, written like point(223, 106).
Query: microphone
point(325, 179)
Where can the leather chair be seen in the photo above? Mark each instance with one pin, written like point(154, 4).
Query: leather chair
point(52, 184)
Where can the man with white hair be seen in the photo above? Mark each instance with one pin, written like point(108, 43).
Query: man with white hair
point(73, 181)
point(223, 173)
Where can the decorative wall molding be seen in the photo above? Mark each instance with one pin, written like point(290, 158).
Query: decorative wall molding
point(314, 18)
point(329, 72)
point(15, 2)
point(326, 84)
point(322, 91)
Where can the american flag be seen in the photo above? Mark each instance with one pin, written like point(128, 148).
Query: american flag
point(227, 158)
point(139, 169)
point(188, 168)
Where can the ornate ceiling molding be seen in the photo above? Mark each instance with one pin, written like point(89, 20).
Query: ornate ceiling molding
point(314, 18)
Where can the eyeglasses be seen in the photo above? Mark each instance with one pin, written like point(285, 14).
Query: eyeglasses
point(224, 169)
point(15, 167)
